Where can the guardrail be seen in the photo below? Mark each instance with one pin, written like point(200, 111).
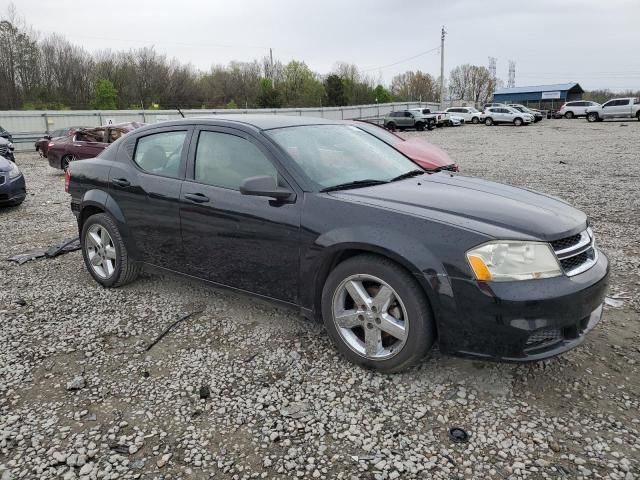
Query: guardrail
point(27, 126)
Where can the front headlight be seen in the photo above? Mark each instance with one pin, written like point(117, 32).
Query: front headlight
point(10, 145)
point(15, 171)
point(502, 261)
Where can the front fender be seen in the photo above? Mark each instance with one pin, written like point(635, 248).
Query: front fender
point(396, 245)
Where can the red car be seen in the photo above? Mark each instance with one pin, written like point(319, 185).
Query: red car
point(425, 154)
point(85, 143)
point(42, 144)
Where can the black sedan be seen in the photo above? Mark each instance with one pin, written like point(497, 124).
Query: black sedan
point(12, 185)
point(325, 217)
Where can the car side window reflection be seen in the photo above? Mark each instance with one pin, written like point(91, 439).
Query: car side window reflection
point(160, 153)
point(225, 160)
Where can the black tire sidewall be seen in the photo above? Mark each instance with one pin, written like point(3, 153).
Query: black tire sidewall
point(105, 221)
point(421, 329)
point(488, 121)
point(475, 120)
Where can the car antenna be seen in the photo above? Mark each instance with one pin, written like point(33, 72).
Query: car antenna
point(180, 112)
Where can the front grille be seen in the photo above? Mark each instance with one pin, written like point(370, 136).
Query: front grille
point(576, 261)
point(3, 150)
point(544, 336)
point(566, 242)
point(576, 253)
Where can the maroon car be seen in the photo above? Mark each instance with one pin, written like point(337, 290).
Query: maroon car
point(42, 144)
point(425, 154)
point(85, 143)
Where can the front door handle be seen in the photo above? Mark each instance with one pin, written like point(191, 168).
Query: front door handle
point(121, 182)
point(196, 197)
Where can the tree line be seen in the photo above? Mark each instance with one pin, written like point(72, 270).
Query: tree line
point(38, 73)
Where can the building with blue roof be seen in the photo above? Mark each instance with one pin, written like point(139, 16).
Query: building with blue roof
point(543, 96)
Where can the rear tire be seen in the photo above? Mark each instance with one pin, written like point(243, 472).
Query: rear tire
point(569, 115)
point(105, 253)
point(592, 117)
point(488, 121)
point(406, 306)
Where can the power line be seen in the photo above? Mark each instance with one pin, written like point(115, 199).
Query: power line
point(401, 61)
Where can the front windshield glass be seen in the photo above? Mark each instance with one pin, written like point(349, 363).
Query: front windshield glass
point(331, 155)
point(381, 133)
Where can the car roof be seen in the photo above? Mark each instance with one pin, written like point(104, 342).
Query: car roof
point(258, 121)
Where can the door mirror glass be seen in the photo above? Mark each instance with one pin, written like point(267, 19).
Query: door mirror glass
point(264, 186)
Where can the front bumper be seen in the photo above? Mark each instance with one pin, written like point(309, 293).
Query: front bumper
point(12, 191)
point(522, 320)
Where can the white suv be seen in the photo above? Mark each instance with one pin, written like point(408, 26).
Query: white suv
point(468, 114)
point(495, 115)
point(576, 109)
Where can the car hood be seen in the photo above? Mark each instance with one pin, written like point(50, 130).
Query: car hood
point(5, 165)
point(424, 153)
point(497, 210)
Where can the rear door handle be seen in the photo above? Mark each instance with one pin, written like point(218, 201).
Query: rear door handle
point(121, 182)
point(196, 197)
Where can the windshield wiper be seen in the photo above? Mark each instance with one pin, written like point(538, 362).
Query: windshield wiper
point(354, 184)
point(412, 173)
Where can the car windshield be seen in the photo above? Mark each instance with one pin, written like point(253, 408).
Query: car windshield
point(381, 133)
point(331, 155)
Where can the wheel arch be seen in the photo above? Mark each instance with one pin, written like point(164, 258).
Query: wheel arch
point(338, 253)
point(98, 201)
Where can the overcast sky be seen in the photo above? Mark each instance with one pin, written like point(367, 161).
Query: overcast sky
point(593, 42)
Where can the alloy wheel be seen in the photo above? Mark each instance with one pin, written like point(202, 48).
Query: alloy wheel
point(101, 251)
point(370, 317)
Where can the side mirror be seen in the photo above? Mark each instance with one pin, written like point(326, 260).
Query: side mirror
point(265, 186)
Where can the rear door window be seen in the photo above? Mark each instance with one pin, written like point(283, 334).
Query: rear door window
point(160, 153)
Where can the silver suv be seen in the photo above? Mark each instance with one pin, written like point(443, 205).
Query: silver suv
point(495, 115)
point(576, 109)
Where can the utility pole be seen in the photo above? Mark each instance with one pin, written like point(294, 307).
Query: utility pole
point(442, 69)
point(273, 77)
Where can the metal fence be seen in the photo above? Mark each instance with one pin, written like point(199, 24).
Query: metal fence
point(27, 126)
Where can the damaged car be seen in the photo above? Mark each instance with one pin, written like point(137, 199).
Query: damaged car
point(42, 144)
point(321, 216)
point(85, 143)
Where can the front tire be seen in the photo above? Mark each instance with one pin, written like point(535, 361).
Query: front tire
point(475, 120)
point(105, 253)
point(391, 126)
point(420, 127)
point(517, 122)
point(592, 117)
point(377, 314)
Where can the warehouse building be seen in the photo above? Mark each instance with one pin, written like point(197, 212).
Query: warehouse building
point(548, 97)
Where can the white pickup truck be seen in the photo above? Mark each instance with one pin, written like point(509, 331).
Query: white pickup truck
point(615, 108)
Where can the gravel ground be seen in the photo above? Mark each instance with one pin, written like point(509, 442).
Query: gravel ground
point(247, 390)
